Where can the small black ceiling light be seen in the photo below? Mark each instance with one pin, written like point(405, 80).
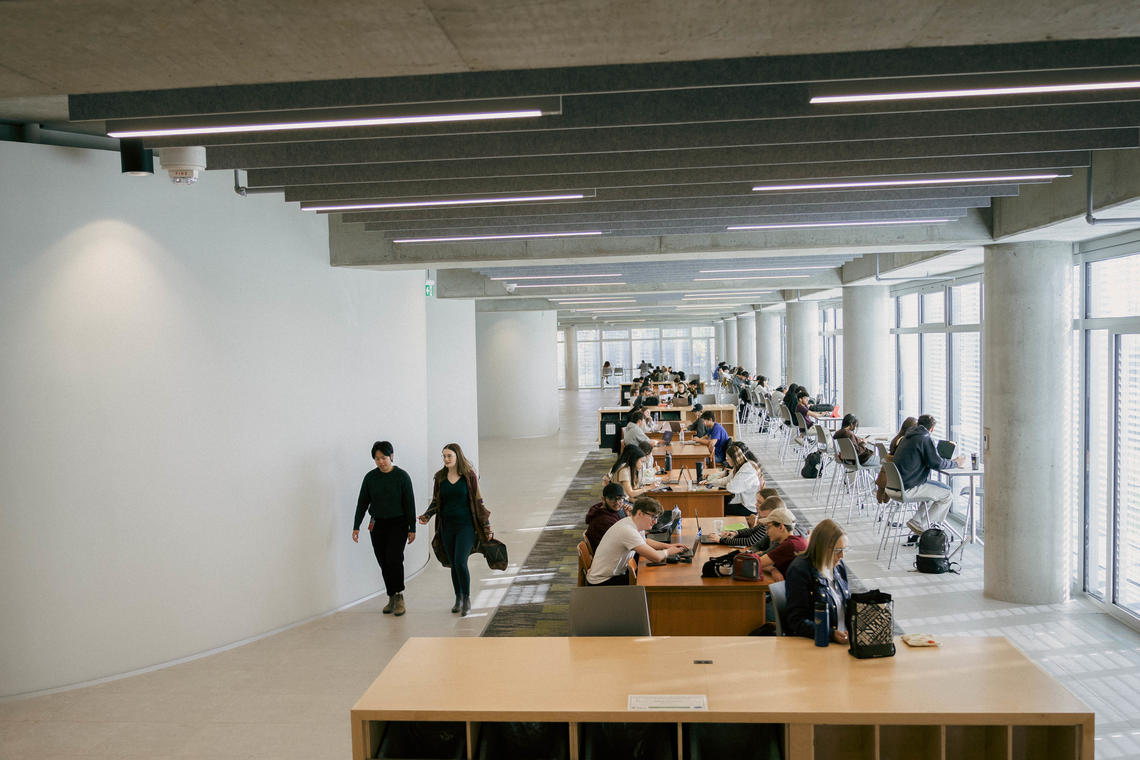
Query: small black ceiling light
point(136, 160)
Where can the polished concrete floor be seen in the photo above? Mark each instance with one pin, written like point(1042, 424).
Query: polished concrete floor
point(288, 696)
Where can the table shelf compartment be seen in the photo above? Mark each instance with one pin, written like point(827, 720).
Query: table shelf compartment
point(842, 742)
point(909, 742)
point(977, 742)
point(422, 740)
point(715, 741)
point(1054, 742)
point(627, 741)
point(521, 741)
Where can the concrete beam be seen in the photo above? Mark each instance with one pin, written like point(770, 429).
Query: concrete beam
point(350, 245)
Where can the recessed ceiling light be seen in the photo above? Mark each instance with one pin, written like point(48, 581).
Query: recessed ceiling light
point(554, 277)
point(451, 202)
point(754, 276)
point(505, 237)
point(974, 92)
point(908, 182)
point(326, 124)
point(827, 224)
point(762, 269)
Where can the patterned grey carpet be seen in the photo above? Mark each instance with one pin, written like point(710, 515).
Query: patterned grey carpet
point(538, 601)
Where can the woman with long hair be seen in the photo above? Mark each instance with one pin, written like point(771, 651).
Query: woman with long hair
point(819, 572)
point(461, 521)
point(907, 424)
point(742, 480)
point(627, 471)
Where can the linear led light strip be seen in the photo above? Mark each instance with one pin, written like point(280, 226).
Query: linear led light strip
point(818, 224)
point(762, 269)
point(907, 182)
point(977, 92)
point(724, 291)
point(727, 294)
point(570, 285)
point(459, 202)
point(555, 277)
point(754, 277)
point(508, 237)
point(599, 300)
point(613, 309)
point(327, 124)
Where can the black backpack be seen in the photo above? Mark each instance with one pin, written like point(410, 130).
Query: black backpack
point(933, 548)
point(811, 467)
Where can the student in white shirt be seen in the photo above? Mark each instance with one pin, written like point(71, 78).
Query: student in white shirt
point(625, 538)
point(742, 479)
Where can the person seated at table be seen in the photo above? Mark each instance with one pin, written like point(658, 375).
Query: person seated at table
point(803, 411)
point(905, 428)
point(754, 461)
point(681, 396)
point(881, 495)
point(637, 429)
point(744, 397)
point(915, 457)
point(601, 516)
point(756, 535)
point(761, 386)
point(819, 570)
point(866, 454)
point(715, 437)
point(627, 470)
point(625, 538)
point(694, 388)
point(790, 400)
point(742, 483)
point(697, 427)
point(784, 543)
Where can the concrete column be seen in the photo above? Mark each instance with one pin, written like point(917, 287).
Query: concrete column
point(768, 346)
point(868, 388)
point(803, 344)
point(746, 341)
point(516, 373)
point(570, 346)
point(730, 339)
point(720, 341)
point(1026, 329)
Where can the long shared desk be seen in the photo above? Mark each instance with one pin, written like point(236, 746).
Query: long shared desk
point(611, 420)
point(693, 500)
point(744, 697)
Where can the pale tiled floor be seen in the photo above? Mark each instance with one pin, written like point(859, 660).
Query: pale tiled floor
point(288, 696)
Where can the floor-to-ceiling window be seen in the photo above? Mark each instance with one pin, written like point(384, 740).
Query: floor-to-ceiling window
point(831, 354)
point(688, 348)
point(561, 359)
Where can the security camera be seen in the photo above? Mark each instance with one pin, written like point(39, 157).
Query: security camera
point(511, 287)
point(183, 164)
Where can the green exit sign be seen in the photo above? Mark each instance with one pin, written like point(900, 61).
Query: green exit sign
point(429, 288)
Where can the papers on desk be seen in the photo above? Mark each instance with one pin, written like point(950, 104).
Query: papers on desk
point(668, 702)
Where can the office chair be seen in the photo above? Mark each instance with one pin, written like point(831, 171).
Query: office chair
point(609, 611)
point(779, 596)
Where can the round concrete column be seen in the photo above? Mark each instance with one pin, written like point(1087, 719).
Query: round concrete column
point(718, 328)
point(768, 346)
point(516, 372)
point(803, 344)
point(746, 341)
point(730, 341)
point(868, 388)
point(570, 346)
point(1026, 329)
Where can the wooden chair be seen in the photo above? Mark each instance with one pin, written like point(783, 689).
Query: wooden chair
point(585, 559)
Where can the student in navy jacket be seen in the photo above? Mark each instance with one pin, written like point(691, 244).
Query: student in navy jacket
point(819, 570)
point(915, 457)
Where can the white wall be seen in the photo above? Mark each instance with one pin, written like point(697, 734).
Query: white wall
point(188, 393)
point(451, 380)
point(518, 368)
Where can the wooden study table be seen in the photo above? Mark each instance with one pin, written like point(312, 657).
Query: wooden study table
point(685, 454)
point(973, 697)
point(682, 603)
point(611, 419)
point(693, 501)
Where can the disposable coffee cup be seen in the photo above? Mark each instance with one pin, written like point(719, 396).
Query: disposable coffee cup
point(718, 526)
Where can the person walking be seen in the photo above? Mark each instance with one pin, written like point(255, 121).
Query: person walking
point(386, 494)
point(461, 521)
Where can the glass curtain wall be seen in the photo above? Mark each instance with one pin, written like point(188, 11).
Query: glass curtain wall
point(689, 349)
point(831, 354)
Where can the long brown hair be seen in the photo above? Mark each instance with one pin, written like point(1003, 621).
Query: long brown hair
point(462, 466)
point(821, 545)
point(907, 424)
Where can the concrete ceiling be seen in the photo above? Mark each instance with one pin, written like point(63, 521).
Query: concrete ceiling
point(663, 116)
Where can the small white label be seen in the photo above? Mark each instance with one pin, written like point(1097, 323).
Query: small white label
point(668, 702)
point(611, 429)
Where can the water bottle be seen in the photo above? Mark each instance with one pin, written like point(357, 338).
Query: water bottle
point(822, 623)
point(679, 524)
point(700, 471)
point(668, 461)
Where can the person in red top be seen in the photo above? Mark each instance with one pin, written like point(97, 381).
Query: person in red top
point(786, 543)
point(605, 513)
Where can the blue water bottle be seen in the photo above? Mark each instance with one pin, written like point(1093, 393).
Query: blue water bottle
point(822, 623)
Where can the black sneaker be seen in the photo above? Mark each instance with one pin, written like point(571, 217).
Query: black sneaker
point(912, 540)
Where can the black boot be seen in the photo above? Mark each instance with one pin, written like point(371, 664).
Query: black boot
point(465, 606)
point(458, 603)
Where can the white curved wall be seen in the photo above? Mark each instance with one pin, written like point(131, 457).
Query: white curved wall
point(188, 393)
point(517, 371)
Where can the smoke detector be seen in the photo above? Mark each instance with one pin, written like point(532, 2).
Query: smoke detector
point(183, 164)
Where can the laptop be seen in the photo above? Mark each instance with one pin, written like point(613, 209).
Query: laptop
point(946, 449)
point(687, 555)
point(705, 539)
point(667, 437)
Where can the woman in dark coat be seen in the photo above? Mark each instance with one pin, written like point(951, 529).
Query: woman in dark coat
point(461, 521)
